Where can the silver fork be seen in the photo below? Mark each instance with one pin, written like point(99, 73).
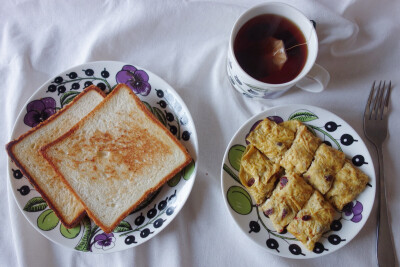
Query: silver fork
point(375, 129)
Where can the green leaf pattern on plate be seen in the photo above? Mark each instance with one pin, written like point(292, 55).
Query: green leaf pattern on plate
point(68, 97)
point(326, 134)
point(160, 115)
point(239, 200)
point(175, 180)
point(70, 233)
point(186, 173)
point(47, 220)
point(188, 170)
point(83, 244)
point(303, 116)
point(311, 130)
point(123, 227)
point(147, 106)
point(35, 204)
point(235, 156)
point(231, 173)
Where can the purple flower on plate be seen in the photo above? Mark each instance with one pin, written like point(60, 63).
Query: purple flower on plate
point(137, 80)
point(355, 210)
point(104, 241)
point(39, 110)
point(276, 119)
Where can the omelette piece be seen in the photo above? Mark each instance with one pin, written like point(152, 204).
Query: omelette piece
point(300, 155)
point(291, 125)
point(289, 196)
point(312, 221)
point(327, 162)
point(271, 139)
point(348, 184)
point(258, 174)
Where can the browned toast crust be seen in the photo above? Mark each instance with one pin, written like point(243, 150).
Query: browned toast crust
point(20, 165)
point(143, 108)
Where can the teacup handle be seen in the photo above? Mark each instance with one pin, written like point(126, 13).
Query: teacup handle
point(316, 80)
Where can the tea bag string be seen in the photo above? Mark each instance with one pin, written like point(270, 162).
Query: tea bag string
point(309, 37)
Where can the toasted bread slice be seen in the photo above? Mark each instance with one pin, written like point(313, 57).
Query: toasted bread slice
point(115, 157)
point(24, 151)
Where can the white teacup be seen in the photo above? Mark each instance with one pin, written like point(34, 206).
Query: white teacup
point(312, 78)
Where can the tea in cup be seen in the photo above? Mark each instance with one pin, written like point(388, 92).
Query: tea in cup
point(273, 47)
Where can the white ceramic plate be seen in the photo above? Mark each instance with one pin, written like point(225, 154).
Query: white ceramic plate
point(154, 214)
point(251, 220)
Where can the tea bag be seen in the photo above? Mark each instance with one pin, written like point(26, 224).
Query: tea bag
point(275, 53)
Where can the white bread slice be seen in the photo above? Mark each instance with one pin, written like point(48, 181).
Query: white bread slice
point(115, 157)
point(24, 151)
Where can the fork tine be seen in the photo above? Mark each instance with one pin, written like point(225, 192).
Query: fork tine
point(388, 94)
point(367, 111)
point(386, 101)
point(379, 111)
point(375, 102)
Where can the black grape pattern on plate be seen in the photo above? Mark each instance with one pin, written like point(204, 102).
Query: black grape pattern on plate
point(143, 226)
point(75, 81)
point(152, 217)
point(24, 189)
point(171, 114)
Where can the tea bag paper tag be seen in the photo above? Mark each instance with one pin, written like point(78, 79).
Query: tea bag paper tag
point(275, 56)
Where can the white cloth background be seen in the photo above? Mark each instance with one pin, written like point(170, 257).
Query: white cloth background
point(185, 43)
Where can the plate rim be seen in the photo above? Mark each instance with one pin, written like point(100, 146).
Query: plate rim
point(194, 141)
point(266, 113)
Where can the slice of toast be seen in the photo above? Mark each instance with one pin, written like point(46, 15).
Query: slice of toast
point(24, 151)
point(115, 157)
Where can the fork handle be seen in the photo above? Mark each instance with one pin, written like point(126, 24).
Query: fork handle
point(385, 248)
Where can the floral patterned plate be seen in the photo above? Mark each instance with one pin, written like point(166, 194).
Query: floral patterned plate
point(152, 215)
point(249, 217)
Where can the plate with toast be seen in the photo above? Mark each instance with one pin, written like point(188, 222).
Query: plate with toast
point(103, 156)
point(298, 181)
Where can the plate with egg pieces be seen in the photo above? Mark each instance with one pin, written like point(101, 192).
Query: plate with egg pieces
point(298, 180)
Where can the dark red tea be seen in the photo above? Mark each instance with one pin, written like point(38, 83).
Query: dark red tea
point(250, 48)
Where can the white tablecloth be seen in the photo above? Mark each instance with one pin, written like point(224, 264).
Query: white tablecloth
point(185, 42)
